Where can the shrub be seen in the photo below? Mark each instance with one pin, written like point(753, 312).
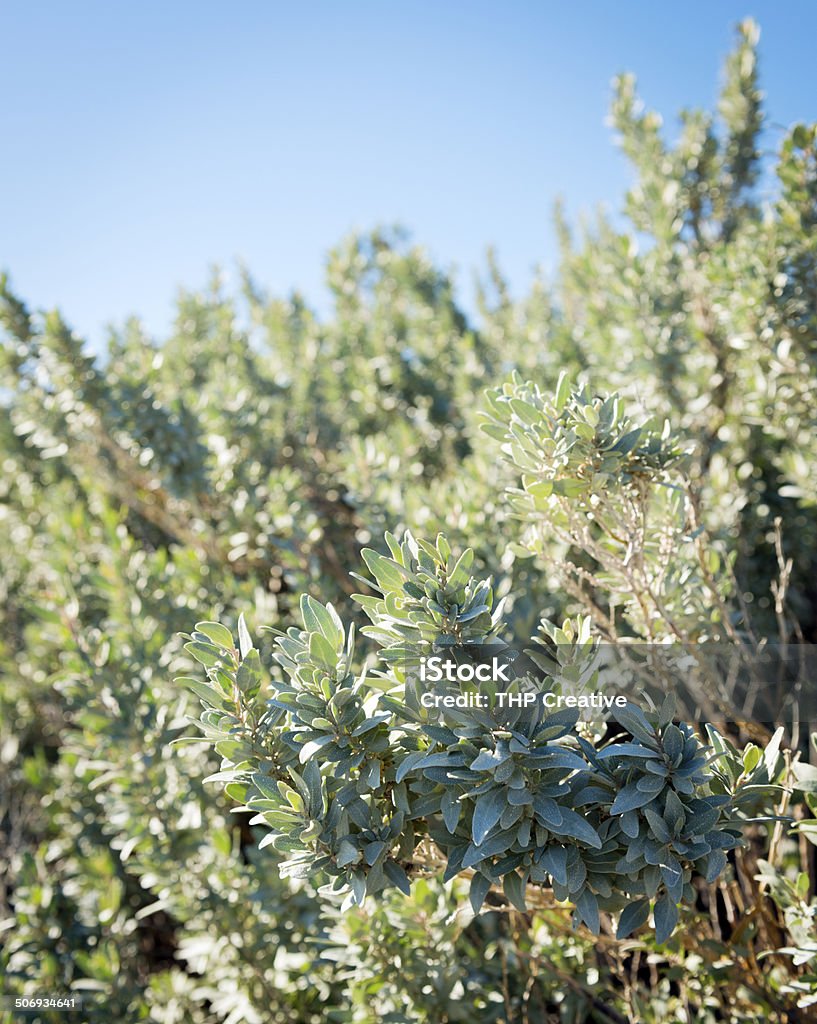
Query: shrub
point(249, 458)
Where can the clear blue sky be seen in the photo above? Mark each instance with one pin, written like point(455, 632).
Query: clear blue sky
point(143, 142)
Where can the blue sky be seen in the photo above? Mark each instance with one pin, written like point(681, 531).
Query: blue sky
point(143, 143)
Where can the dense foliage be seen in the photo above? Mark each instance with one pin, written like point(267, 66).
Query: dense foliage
point(259, 454)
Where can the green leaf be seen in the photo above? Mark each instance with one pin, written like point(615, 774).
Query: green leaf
point(244, 638)
point(358, 883)
point(716, 862)
point(488, 761)
point(494, 431)
point(474, 613)
point(314, 785)
point(548, 810)
point(373, 850)
point(666, 918)
point(480, 887)
point(650, 783)
point(451, 809)
point(514, 888)
point(372, 723)
point(371, 776)
point(808, 828)
point(205, 654)
point(552, 758)
point(630, 798)
point(388, 573)
point(311, 747)
point(562, 391)
point(321, 653)
point(267, 786)
point(540, 489)
point(632, 917)
point(554, 861)
point(397, 876)
point(248, 676)
point(458, 576)
point(348, 853)
point(570, 488)
point(673, 878)
point(626, 443)
point(408, 764)
point(633, 720)
point(659, 827)
point(588, 908)
point(751, 758)
point(630, 824)
point(497, 844)
point(626, 750)
point(805, 776)
point(443, 548)
point(527, 413)
point(673, 741)
point(324, 620)
point(225, 776)
point(487, 812)
point(667, 710)
point(772, 753)
point(674, 813)
point(211, 697)
point(575, 826)
point(219, 634)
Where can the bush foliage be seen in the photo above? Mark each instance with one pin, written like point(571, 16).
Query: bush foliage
point(641, 469)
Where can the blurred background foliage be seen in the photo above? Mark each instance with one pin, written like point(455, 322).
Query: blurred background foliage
point(249, 457)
